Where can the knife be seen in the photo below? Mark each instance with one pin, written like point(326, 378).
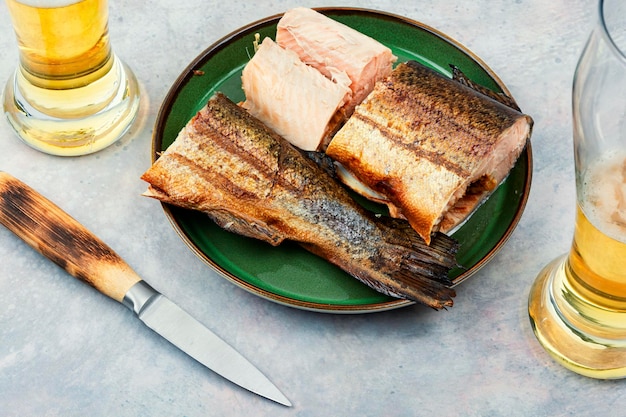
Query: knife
point(59, 237)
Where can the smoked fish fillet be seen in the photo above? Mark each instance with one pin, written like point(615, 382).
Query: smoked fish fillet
point(421, 139)
point(251, 181)
point(292, 98)
point(336, 50)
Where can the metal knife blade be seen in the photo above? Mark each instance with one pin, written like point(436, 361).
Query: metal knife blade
point(63, 240)
point(186, 333)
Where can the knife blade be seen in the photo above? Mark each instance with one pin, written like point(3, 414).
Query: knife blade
point(63, 240)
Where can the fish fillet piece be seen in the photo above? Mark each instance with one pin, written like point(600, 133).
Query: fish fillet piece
point(421, 139)
point(292, 98)
point(336, 50)
point(251, 181)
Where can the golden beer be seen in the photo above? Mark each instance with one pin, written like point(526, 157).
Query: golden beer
point(70, 95)
point(63, 46)
point(588, 287)
point(598, 256)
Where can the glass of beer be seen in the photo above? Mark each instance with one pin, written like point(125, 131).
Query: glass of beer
point(70, 94)
point(577, 305)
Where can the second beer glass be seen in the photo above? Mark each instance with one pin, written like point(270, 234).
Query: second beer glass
point(577, 305)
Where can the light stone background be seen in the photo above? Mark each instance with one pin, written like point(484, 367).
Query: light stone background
point(66, 350)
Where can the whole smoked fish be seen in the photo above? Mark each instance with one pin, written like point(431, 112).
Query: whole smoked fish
point(251, 181)
point(425, 141)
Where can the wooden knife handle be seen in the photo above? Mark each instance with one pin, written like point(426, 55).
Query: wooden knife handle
point(59, 237)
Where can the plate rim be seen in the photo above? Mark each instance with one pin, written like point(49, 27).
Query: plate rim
point(189, 71)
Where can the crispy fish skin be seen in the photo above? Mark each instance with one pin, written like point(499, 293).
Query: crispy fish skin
point(251, 181)
point(421, 140)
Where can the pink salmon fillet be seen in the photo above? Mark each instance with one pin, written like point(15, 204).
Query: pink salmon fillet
point(341, 53)
point(292, 98)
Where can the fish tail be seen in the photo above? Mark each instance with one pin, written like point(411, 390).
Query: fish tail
point(417, 271)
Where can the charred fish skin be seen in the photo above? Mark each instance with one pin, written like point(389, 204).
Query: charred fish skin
point(251, 181)
point(421, 139)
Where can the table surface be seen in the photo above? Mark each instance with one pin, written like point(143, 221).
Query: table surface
point(66, 349)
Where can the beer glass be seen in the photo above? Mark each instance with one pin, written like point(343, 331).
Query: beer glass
point(577, 305)
point(70, 94)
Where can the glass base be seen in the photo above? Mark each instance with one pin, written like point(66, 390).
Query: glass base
point(584, 337)
point(72, 122)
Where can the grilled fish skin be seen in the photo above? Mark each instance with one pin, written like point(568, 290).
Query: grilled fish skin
point(421, 139)
point(251, 181)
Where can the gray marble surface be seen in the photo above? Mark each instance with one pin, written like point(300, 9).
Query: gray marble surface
point(66, 350)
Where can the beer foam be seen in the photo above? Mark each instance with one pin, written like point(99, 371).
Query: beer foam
point(47, 3)
point(604, 196)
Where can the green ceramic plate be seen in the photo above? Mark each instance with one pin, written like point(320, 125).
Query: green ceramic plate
point(288, 274)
